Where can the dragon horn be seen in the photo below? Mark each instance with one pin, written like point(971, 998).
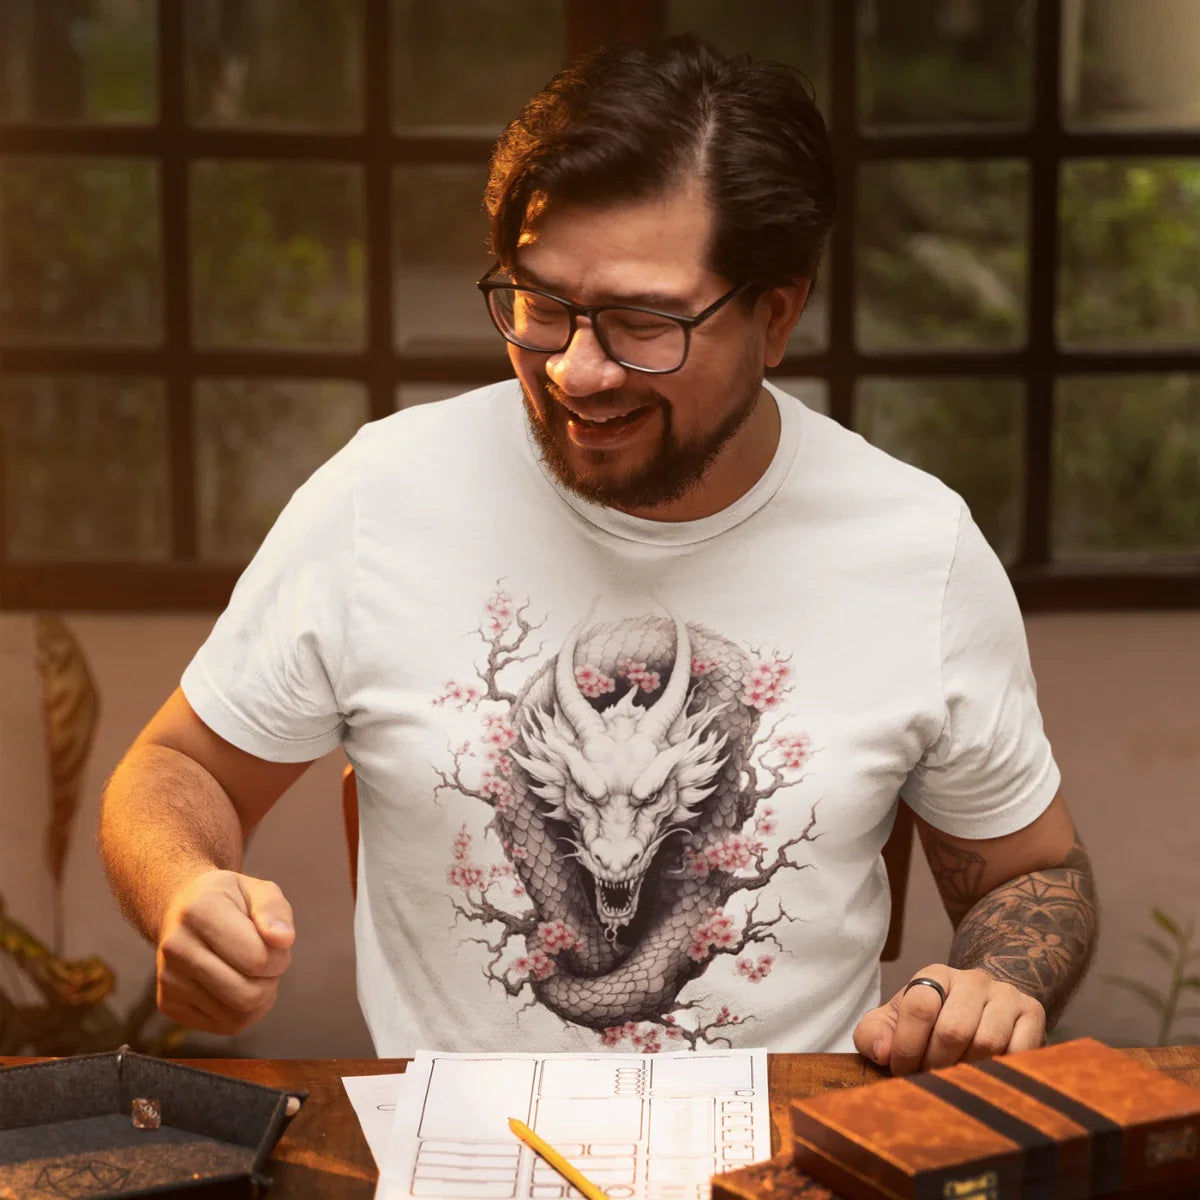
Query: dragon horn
point(660, 715)
point(583, 718)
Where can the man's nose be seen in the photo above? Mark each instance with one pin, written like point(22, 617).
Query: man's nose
point(583, 368)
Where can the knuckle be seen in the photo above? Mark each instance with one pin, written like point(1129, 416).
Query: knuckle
point(952, 1033)
point(172, 949)
point(255, 957)
point(990, 1044)
point(246, 999)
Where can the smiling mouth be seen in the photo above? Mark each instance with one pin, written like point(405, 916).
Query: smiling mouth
point(613, 422)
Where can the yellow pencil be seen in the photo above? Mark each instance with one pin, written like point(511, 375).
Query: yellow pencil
point(556, 1160)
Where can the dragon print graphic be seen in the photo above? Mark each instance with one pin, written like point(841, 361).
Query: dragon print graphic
point(629, 782)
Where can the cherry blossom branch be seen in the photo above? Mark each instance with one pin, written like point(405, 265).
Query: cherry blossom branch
point(502, 654)
point(756, 933)
point(484, 910)
point(752, 883)
point(454, 782)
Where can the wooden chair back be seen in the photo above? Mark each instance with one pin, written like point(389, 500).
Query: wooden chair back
point(897, 856)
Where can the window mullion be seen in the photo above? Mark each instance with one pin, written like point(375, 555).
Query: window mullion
point(176, 279)
point(1042, 283)
point(843, 133)
point(379, 216)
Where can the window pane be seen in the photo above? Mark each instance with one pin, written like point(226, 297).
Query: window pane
point(812, 393)
point(275, 63)
point(67, 61)
point(256, 442)
point(967, 432)
point(85, 468)
point(1127, 465)
point(1130, 253)
point(941, 255)
point(278, 255)
point(1131, 66)
point(79, 250)
point(440, 251)
point(472, 69)
point(783, 30)
point(944, 62)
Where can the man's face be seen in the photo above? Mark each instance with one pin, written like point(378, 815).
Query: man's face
point(661, 433)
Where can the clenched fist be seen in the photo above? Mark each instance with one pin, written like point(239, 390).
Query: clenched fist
point(225, 941)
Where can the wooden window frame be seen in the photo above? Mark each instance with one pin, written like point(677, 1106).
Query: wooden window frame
point(182, 583)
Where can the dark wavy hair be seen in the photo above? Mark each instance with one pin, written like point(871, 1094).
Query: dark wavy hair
point(631, 121)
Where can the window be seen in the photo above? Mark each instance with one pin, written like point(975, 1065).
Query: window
point(232, 230)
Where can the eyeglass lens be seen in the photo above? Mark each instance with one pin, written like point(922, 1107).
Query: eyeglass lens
point(541, 323)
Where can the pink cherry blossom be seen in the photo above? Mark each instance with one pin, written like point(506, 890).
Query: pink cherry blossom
point(460, 695)
point(498, 735)
point(465, 876)
point(592, 681)
point(702, 666)
point(648, 1041)
point(764, 821)
point(556, 936)
point(794, 747)
point(499, 612)
point(755, 971)
point(735, 853)
point(536, 964)
point(498, 790)
point(636, 673)
point(714, 932)
point(460, 847)
point(766, 682)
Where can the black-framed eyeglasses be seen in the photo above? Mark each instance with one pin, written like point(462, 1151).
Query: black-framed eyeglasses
point(640, 339)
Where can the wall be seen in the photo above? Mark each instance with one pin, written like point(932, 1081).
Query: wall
point(1120, 695)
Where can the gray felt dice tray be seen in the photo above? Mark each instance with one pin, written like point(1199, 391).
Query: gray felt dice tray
point(65, 1129)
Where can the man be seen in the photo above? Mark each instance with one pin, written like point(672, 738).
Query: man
point(631, 673)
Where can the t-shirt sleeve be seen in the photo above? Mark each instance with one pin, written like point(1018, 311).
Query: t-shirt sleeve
point(990, 770)
point(267, 677)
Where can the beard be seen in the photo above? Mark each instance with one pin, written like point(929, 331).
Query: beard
point(673, 469)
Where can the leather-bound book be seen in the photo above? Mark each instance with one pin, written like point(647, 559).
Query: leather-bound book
point(775, 1178)
point(1065, 1122)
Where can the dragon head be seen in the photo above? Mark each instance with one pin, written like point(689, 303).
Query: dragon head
point(625, 778)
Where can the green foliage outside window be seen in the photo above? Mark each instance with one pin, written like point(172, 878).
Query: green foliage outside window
point(279, 257)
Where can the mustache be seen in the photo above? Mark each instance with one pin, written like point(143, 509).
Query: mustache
point(615, 396)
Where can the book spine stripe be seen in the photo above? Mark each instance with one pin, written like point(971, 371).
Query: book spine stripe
point(1040, 1151)
point(1106, 1139)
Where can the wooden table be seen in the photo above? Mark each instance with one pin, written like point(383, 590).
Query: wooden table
point(324, 1153)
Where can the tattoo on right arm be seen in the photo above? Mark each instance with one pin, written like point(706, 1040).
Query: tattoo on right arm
point(958, 874)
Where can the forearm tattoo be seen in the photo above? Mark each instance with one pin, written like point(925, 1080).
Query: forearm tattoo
point(1036, 932)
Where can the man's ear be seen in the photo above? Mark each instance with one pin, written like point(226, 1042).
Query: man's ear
point(783, 306)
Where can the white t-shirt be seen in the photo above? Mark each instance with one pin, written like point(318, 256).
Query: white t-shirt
point(613, 851)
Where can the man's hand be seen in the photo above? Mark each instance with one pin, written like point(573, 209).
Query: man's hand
point(982, 1017)
point(225, 941)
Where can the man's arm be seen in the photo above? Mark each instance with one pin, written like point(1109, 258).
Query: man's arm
point(1024, 911)
point(173, 823)
point(1023, 906)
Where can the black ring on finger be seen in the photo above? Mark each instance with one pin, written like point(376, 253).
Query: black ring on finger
point(925, 981)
